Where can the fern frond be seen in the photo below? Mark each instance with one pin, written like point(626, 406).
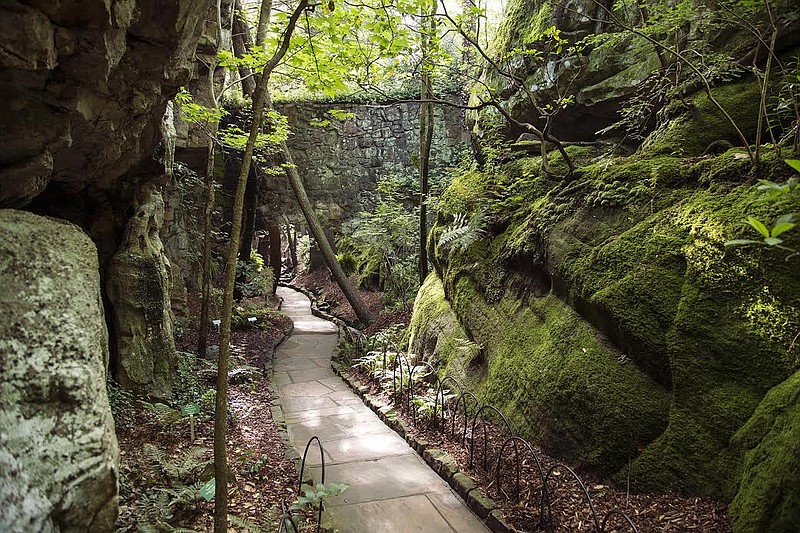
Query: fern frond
point(463, 232)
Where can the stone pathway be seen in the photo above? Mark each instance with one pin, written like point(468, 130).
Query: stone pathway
point(391, 487)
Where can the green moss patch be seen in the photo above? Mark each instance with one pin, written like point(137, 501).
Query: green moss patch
point(768, 498)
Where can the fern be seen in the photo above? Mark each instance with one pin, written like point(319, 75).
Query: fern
point(181, 469)
point(463, 232)
point(269, 522)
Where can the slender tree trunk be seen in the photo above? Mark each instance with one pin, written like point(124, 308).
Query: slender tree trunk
point(202, 337)
point(220, 418)
point(425, 135)
point(318, 232)
point(242, 43)
point(275, 253)
point(248, 227)
point(205, 319)
point(762, 108)
point(291, 240)
point(263, 22)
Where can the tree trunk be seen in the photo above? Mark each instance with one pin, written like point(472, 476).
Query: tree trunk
point(202, 337)
point(242, 43)
point(425, 136)
point(318, 232)
point(275, 253)
point(205, 319)
point(291, 241)
point(248, 227)
point(221, 405)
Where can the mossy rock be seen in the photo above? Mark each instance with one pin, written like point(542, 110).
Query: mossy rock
point(768, 497)
point(695, 332)
point(692, 131)
point(557, 382)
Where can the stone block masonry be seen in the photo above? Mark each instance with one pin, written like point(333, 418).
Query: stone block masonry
point(340, 158)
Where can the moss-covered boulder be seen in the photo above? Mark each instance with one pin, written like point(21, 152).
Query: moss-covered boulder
point(616, 329)
point(547, 370)
point(698, 122)
point(768, 498)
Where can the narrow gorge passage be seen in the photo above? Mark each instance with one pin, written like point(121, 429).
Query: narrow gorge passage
point(391, 487)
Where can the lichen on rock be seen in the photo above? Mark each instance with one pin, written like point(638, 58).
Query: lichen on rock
point(58, 450)
point(139, 288)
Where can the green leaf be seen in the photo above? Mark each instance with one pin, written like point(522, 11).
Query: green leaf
point(794, 163)
point(758, 226)
point(741, 242)
point(767, 185)
point(207, 490)
point(772, 241)
point(777, 229)
point(190, 409)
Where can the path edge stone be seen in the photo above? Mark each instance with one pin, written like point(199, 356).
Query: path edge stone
point(440, 461)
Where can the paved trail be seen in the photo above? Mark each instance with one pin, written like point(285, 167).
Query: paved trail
point(391, 487)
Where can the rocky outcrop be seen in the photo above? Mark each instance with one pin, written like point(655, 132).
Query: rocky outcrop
point(139, 289)
point(617, 331)
point(58, 451)
point(600, 76)
point(85, 84)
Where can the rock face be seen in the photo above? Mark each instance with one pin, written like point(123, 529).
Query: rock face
point(85, 84)
point(139, 289)
point(58, 450)
point(618, 331)
point(601, 75)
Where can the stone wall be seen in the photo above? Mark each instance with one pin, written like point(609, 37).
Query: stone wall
point(343, 158)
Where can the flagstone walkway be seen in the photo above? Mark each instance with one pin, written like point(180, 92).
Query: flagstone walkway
point(391, 487)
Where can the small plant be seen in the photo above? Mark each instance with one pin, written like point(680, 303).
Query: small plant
point(314, 496)
point(463, 231)
point(257, 280)
point(176, 486)
point(122, 403)
point(770, 236)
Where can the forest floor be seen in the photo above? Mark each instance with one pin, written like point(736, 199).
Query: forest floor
point(162, 470)
point(326, 290)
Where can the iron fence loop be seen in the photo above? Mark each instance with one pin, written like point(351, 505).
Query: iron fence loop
point(625, 517)
point(546, 491)
point(466, 400)
point(480, 414)
point(322, 475)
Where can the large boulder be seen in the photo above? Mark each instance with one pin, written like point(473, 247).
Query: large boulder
point(139, 288)
point(58, 450)
point(618, 332)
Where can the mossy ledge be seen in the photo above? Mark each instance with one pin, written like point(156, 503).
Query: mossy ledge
point(607, 320)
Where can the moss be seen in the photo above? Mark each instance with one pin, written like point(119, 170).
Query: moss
point(524, 21)
point(464, 194)
point(768, 497)
point(645, 285)
point(558, 382)
point(435, 333)
point(692, 131)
